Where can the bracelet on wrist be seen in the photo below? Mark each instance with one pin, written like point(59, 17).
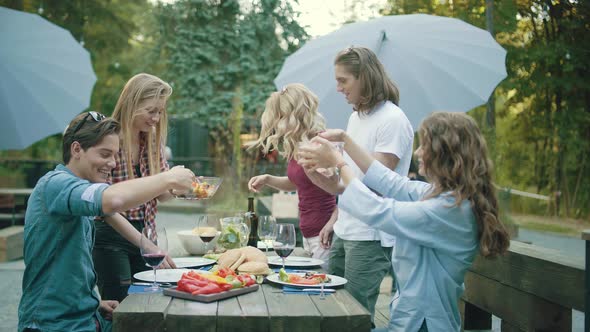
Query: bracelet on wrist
point(340, 165)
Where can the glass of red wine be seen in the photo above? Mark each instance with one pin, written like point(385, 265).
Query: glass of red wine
point(153, 247)
point(284, 243)
point(207, 228)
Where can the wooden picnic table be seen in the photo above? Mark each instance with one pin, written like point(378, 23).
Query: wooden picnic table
point(267, 309)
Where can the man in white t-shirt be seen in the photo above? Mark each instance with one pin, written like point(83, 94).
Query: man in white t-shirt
point(359, 253)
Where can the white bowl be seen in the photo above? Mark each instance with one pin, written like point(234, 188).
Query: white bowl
point(193, 244)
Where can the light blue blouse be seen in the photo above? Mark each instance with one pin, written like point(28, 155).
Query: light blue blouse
point(435, 244)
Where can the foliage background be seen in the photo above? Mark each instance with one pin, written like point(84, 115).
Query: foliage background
point(222, 55)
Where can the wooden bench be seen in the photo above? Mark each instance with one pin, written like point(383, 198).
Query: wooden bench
point(11, 243)
point(8, 211)
point(531, 288)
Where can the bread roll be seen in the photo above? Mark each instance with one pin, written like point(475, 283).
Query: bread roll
point(254, 268)
point(254, 255)
point(229, 257)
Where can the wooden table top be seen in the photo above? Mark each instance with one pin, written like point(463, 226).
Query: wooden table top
point(267, 309)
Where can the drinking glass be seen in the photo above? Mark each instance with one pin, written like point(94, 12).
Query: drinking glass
point(284, 244)
point(267, 230)
point(327, 172)
point(153, 246)
point(207, 229)
point(322, 294)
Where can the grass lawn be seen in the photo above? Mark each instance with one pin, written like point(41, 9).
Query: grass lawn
point(563, 226)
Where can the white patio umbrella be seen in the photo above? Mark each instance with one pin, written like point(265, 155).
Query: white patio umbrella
point(46, 78)
point(438, 63)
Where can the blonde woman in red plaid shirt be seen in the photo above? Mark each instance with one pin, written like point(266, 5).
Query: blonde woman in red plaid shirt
point(141, 111)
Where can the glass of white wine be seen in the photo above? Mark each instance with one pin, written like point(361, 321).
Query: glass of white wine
point(267, 230)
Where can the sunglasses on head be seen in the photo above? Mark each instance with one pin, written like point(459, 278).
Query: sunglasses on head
point(95, 116)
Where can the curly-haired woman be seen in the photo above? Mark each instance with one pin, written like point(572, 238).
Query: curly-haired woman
point(291, 116)
point(439, 226)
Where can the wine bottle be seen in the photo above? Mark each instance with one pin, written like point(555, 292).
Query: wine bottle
point(251, 215)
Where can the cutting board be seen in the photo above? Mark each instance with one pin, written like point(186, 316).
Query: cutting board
point(210, 297)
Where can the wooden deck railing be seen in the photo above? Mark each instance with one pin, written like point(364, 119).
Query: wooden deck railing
point(531, 288)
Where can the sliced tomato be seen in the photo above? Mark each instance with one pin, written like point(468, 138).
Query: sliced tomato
point(295, 279)
point(224, 272)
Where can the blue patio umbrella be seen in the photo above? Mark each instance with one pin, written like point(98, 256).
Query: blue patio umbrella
point(439, 64)
point(46, 78)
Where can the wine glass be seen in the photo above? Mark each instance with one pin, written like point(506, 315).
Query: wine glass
point(322, 294)
point(153, 247)
point(207, 228)
point(284, 244)
point(267, 229)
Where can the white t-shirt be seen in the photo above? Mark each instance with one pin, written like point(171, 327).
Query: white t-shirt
point(386, 129)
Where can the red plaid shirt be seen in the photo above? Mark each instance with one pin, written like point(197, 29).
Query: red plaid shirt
point(145, 212)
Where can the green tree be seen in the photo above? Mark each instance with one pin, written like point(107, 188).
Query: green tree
point(222, 58)
point(547, 66)
point(107, 29)
point(543, 106)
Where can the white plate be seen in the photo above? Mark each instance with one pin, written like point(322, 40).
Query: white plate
point(334, 281)
point(163, 275)
point(295, 261)
point(183, 262)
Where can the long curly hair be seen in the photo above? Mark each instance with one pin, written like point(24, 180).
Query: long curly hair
point(139, 88)
point(290, 116)
point(455, 159)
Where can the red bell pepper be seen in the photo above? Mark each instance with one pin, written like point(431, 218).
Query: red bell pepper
point(209, 289)
point(185, 285)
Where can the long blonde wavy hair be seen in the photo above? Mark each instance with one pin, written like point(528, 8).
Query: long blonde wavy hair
point(455, 159)
point(139, 88)
point(290, 116)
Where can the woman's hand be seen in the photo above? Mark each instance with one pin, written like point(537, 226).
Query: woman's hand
point(328, 230)
point(167, 263)
point(329, 184)
point(333, 135)
point(257, 182)
point(106, 309)
point(326, 235)
point(320, 153)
